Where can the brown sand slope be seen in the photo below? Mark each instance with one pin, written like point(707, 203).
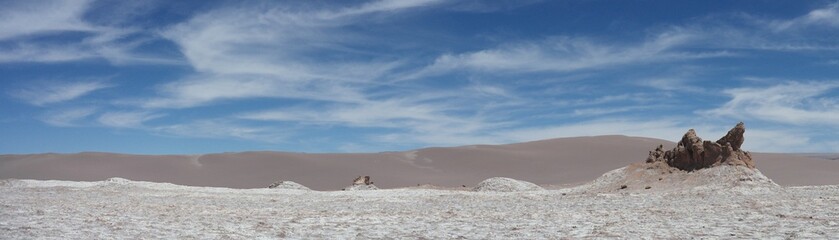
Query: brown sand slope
point(556, 161)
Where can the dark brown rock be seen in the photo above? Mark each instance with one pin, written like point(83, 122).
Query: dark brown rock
point(361, 183)
point(692, 153)
point(362, 180)
point(734, 137)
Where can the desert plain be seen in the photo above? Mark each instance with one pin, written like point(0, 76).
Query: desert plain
point(584, 187)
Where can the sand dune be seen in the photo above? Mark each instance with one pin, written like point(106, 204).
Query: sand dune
point(556, 161)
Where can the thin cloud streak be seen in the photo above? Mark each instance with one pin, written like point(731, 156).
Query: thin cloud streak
point(30, 30)
point(220, 129)
point(822, 17)
point(70, 117)
point(796, 103)
point(27, 18)
point(237, 56)
point(54, 92)
point(565, 54)
point(206, 89)
point(125, 119)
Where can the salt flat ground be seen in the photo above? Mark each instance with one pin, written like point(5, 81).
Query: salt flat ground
point(119, 208)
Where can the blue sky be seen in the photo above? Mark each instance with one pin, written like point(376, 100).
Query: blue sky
point(160, 77)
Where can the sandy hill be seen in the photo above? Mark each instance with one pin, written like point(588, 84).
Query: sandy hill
point(555, 161)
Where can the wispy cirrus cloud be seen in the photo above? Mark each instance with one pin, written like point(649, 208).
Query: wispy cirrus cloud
point(279, 42)
point(37, 31)
point(45, 93)
point(290, 54)
point(796, 103)
point(25, 52)
point(705, 38)
point(827, 16)
point(239, 56)
point(564, 54)
point(392, 113)
point(221, 129)
point(126, 119)
point(68, 117)
point(201, 90)
point(27, 18)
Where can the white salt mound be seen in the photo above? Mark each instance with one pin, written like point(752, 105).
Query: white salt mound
point(361, 187)
point(644, 178)
point(288, 185)
point(116, 180)
point(502, 184)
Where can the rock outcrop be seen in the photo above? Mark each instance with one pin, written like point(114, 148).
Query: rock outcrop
point(693, 165)
point(362, 180)
point(287, 185)
point(361, 183)
point(692, 153)
point(502, 184)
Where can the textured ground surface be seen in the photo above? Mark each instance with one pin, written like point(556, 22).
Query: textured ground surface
point(124, 209)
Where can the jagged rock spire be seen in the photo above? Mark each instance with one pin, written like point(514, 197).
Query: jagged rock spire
point(692, 153)
point(734, 136)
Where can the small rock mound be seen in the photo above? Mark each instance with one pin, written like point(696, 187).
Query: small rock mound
point(8, 182)
point(361, 183)
point(502, 184)
point(692, 153)
point(287, 185)
point(360, 187)
point(116, 180)
point(645, 177)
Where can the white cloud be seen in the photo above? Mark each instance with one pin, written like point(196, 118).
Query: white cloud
point(796, 103)
point(56, 92)
point(280, 42)
point(67, 117)
point(376, 7)
point(126, 119)
point(662, 129)
point(42, 53)
point(564, 54)
point(271, 51)
point(25, 18)
point(221, 129)
point(766, 140)
point(678, 84)
point(27, 27)
point(489, 6)
point(606, 99)
point(388, 113)
point(205, 89)
point(409, 121)
point(608, 110)
point(827, 16)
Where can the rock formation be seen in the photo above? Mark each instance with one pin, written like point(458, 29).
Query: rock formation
point(692, 153)
point(362, 180)
point(693, 164)
point(361, 183)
